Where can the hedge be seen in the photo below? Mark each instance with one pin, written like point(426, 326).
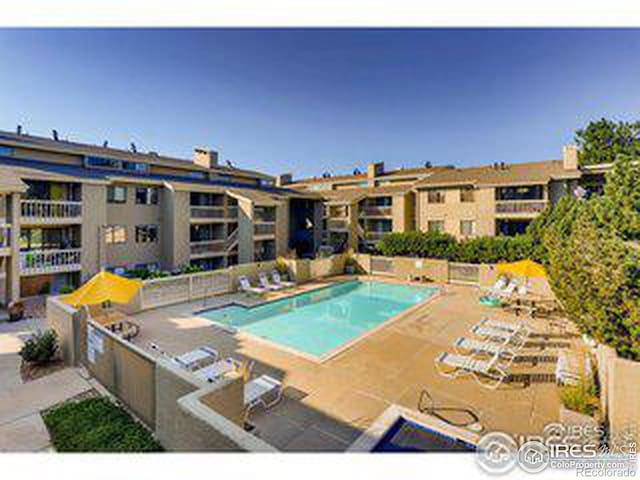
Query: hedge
point(97, 425)
point(446, 247)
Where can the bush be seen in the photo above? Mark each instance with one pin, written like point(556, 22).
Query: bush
point(40, 348)
point(581, 398)
point(97, 425)
point(443, 246)
point(65, 290)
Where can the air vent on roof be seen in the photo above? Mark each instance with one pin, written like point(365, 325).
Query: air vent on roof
point(427, 164)
point(19, 130)
point(229, 164)
point(54, 133)
point(105, 144)
point(134, 149)
point(356, 171)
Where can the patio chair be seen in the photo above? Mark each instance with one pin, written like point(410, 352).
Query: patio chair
point(277, 280)
point(509, 290)
point(486, 372)
point(513, 327)
point(246, 286)
point(483, 347)
point(257, 390)
point(264, 282)
point(514, 339)
point(498, 287)
point(218, 369)
point(191, 360)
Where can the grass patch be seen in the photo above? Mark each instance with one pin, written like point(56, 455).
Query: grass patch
point(97, 425)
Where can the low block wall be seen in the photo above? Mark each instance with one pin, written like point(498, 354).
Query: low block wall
point(623, 398)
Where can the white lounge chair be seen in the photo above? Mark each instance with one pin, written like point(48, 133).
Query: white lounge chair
point(498, 287)
point(512, 327)
point(509, 290)
point(192, 359)
point(264, 282)
point(514, 339)
point(487, 373)
point(246, 286)
point(256, 391)
point(277, 280)
point(218, 369)
point(483, 347)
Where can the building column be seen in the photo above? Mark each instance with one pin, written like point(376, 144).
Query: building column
point(13, 262)
point(245, 231)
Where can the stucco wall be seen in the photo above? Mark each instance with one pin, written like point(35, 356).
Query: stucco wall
point(94, 217)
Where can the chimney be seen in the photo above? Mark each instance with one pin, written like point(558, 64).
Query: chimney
point(205, 158)
point(284, 179)
point(570, 157)
point(54, 133)
point(374, 170)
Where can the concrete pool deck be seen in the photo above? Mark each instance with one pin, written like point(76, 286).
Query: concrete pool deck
point(328, 405)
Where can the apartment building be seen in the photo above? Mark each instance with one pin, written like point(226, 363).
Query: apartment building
point(497, 199)
point(72, 209)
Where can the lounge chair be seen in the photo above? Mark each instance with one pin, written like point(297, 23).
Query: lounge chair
point(277, 280)
point(245, 286)
point(511, 327)
point(486, 372)
point(498, 287)
point(483, 347)
point(218, 369)
point(514, 339)
point(256, 391)
point(191, 360)
point(509, 290)
point(264, 282)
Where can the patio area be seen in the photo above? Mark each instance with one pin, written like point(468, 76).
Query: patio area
point(327, 405)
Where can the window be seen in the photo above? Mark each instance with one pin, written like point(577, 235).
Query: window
point(198, 175)
point(435, 196)
point(136, 167)
point(116, 194)
point(265, 183)
point(466, 195)
point(435, 225)
point(146, 233)
point(467, 228)
point(115, 234)
point(6, 151)
point(146, 196)
point(102, 162)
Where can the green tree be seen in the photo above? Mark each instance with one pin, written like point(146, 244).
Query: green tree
point(603, 140)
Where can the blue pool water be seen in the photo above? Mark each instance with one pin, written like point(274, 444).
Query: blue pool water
point(320, 321)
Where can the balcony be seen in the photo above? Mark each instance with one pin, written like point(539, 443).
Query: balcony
point(375, 236)
point(373, 211)
point(36, 262)
point(338, 224)
point(50, 212)
point(232, 212)
point(264, 229)
point(519, 208)
point(208, 248)
point(208, 213)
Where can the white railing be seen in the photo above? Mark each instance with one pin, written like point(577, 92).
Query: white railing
point(520, 206)
point(50, 209)
point(372, 211)
point(232, 241)
point(50, 261)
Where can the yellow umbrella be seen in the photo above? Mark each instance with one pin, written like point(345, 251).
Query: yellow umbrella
point(104, 287)
point(523, 268)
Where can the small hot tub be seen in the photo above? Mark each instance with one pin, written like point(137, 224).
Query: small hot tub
point(407, 436)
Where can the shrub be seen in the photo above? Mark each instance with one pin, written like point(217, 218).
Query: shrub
point(97, 425)
point(40, 348)
point(66, 289)
point(581, 398)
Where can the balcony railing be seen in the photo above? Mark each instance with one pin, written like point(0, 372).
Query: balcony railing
point(232, 241)
point(50, 261)
point(337, 224)
point(372, 211)
point(232, 212)
point(50, 211)
point(207, 212)
point(207, 247)
point(264, 229)
point(520, 206)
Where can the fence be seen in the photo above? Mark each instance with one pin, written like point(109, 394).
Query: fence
point(466, 273)
point(382, 266)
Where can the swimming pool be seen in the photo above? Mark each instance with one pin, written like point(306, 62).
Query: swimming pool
point(321, 321)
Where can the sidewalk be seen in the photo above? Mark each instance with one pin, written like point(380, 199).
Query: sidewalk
point(21, 427)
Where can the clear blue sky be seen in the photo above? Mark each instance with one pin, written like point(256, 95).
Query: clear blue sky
point(307, 101)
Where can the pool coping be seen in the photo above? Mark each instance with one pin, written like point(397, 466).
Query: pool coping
point(370, 438)
point(331, 353)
